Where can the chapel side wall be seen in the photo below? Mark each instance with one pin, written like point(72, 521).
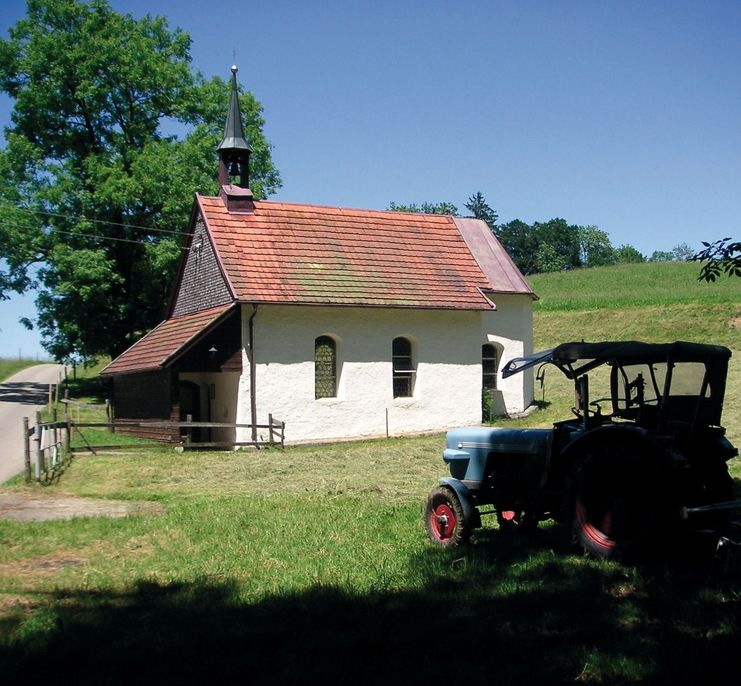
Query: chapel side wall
point(446, 348)
point(510, 329)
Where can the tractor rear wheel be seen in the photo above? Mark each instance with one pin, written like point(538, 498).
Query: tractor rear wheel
point(445, 522)
point(619, 505)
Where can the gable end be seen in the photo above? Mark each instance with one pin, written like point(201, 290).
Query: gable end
point(202, 284)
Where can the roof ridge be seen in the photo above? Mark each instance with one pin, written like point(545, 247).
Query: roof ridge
point(339, 209)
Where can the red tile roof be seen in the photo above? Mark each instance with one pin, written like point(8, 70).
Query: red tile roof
point(156, 348)
point(309, 254)
point(314, 255)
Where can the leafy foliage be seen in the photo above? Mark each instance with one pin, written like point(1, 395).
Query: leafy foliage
point(98, 189)
point(682, 252)
point(595, 247)
point(545, 246)
point(721, 256)
point(661, 256)
point(627, 254)
point(425, 208)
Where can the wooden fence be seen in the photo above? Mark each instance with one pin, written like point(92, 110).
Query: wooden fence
point(48, 445)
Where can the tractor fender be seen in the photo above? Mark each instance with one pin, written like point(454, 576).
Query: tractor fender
point(629, 436)
point(465, 496)
point(722, 447)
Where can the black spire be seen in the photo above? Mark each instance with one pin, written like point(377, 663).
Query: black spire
point(234, 150)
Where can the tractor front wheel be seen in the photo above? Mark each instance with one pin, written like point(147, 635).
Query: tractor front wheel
point(444, 519)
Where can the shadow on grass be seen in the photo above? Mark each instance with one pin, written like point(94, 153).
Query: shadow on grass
point(504, 611)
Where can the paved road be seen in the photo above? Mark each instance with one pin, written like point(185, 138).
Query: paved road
point(21, 396)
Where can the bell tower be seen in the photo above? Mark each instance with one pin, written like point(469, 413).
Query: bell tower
point(234, 150)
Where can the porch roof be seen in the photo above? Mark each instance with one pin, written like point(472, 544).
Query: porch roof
point(163, 344)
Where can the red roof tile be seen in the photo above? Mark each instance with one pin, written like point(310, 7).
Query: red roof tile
point(155, 349)
point(310, 254)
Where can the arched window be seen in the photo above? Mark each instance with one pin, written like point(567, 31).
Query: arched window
point(489, 367)
point(325, 367)
point(488, 380)
point(403, 367)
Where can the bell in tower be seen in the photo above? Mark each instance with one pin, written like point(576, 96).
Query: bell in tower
point(234, 150)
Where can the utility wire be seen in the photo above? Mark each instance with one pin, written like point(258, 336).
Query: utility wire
point(89, 235)
point(93, 221)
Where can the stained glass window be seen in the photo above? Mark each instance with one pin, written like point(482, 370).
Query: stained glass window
point(325, 367)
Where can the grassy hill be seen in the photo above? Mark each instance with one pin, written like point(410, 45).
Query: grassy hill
point(659, 302)
point(651, 302)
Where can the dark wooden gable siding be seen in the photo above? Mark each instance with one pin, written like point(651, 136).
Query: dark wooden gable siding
point(202, 284)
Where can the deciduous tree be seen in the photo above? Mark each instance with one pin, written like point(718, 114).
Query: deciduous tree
point(595, 247)
point(425, 208)
point(112, 133)
point(627, 254)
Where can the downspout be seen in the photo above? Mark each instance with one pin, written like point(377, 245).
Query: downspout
point(253, 392)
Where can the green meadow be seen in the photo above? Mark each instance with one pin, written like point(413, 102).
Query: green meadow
point(311, 565)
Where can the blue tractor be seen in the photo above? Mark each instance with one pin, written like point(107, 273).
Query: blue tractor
point(635, 466)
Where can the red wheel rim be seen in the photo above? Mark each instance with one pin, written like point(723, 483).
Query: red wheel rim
point(591, 531)
point(442, 522)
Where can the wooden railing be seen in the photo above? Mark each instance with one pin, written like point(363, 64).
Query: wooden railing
point(47, 446)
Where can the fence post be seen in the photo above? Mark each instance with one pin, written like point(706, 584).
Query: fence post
point(109, 415)
point(26, 451)
point(67, 435)
point(37, 440)
point(188, 436)
point(270, 429)
point(55, 442)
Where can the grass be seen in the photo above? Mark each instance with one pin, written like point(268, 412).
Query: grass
point(311, 565)
point(630, 286)
point(650, 302)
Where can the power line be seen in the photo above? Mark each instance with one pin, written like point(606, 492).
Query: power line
point(90, 235)
point(94, 221)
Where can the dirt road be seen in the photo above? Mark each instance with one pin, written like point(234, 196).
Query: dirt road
point(21, 396)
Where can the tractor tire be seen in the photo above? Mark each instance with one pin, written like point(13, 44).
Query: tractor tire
point(445, 522)
point(620, 506)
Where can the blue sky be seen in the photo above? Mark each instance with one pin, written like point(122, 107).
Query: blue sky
point(625, 115)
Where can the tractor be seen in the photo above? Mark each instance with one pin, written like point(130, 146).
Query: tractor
point(640, 464)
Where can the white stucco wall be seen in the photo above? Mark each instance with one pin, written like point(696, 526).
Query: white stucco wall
point(510, 329)
point(446, 350)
